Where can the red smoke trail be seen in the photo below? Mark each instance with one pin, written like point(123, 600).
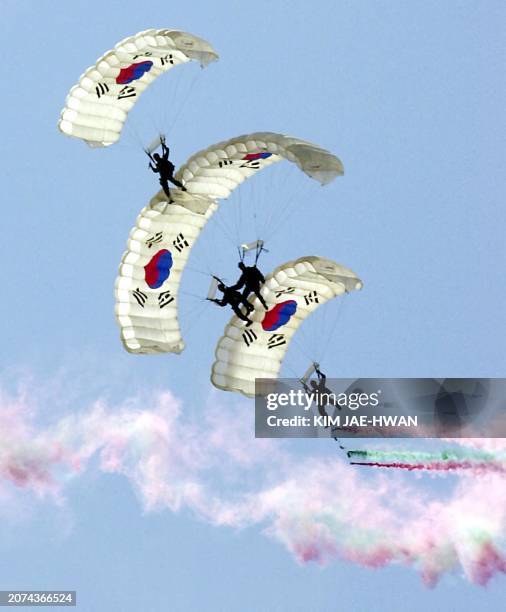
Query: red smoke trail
point(439, 466)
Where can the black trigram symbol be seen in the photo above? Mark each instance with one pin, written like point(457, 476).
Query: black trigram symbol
point(126, 92)
point(140, 297)
point(101, 89)
point(146, 54)
point(180, 243)
point(276, 340)
point(164, 299)
point(253, 164)
point(282, 291)
point(158, 237)
point(167, 59)
point(225, 162)
point(249, 337)
point(311, 298)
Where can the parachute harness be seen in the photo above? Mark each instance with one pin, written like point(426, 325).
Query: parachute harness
point(257, 245)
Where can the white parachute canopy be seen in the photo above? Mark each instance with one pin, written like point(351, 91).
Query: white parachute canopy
point(164, 234)
point(292, 292)
point(150, 272)
point(97, 107)
point(216, 171)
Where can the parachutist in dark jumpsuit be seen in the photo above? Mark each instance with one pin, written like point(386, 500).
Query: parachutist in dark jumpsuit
point(251, 279)
point(165, 168)
point(234, 299)
point(317, 389)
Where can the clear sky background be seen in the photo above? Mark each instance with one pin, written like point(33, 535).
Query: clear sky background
point(411, 97)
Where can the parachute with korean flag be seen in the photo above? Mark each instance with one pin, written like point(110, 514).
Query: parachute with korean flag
point(165, 232)
point(292, 292)
point(97, 107)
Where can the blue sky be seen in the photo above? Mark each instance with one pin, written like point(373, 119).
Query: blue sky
point(411, 97)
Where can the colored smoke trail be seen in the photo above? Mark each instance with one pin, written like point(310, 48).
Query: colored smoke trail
point(460, 455)
point(440, 466)
point(318, 507)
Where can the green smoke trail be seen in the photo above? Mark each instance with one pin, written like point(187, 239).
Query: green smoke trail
point(424, 457)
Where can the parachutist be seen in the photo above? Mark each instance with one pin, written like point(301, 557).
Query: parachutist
point(252, 280)
point(233, 298)
point(319, 391)
point(165, 168)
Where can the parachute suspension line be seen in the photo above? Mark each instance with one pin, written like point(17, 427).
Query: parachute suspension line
point(197, 306)
point(266, 196)
point(239, 212)
point(322, 328)
point(309, 341)
point(170, 96)
point(274, 213)
point(292, 371)
point(257, 201)
point(325, 324)
point(254, 210)
point(133, 134)
point(154, 115)
point(155, 125)
point(196, 317)
point(323, 331)
point(301, 349)
point(228, 224)
point(293, 201)
point(235, 203)
point(148, 108)
point(197, 78)
point(248, 194)
point(330, 334)
point(280, 216)
point(277, 219)
point(202, 256)
point(235, 218)
point(182, 106)
point(203, 265)
point(192, 313)
point(207, 257)
point(198, 271)
point(210, 259)
point(291, 364)
point(251, 197)
point(193, 295)
point(300, 194)
point(243, 213)
point(220, 218)
point(273, 173)
point(221, 225)
point(316, 326)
